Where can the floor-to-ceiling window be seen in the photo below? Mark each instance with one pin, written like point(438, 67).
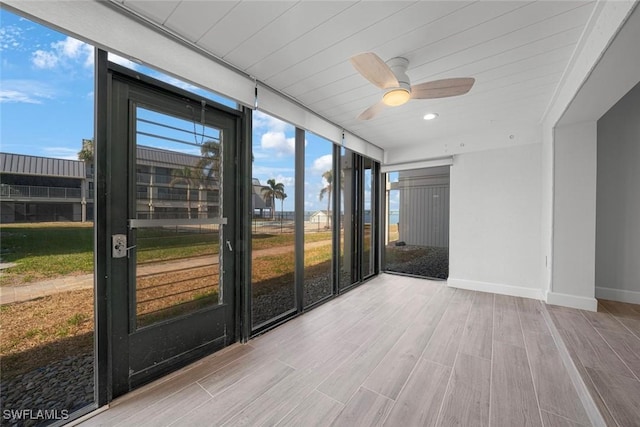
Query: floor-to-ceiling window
point(369, 217)
point(358, 218)
point(417, 222)
point(47, 224)
point(318, 219)
point(347, 209)
point(273, 219)
point(309, 247)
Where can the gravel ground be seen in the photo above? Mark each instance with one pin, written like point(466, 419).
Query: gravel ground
point(59, 388)
point(427, 262)
point(282, 299)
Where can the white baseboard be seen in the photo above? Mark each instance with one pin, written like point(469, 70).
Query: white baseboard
point(573, 301)
point(632, 297)
point(495, 288)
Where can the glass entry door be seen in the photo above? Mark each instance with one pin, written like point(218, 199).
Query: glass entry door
point(172, 229)
point(359, 211)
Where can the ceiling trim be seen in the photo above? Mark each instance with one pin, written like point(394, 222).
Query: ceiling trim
point(396, 167)
point(355, 143)
point(272, 102)
point(616, 73)
point(606, 21)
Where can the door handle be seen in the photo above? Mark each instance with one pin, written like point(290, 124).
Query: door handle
point(229, 246)
point(119, 248)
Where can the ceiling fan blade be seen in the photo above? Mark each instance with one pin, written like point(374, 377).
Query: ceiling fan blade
point(442, 88)
point(372, 111)
point(375, 70)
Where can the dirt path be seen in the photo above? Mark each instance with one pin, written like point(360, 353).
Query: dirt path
point(11, 294)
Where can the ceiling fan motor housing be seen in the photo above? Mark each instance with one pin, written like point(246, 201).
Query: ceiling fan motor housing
point(399, 68)
point(398, 95)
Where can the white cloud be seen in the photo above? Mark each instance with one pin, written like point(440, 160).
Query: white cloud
point(44, 59)
point(61, 153)
point(260, 155)
point(64, 53)
point(7, 95)
point(268, 123)
point(122, 61)
point(312, 196)
point(278, 144)
point(71, 47)
point(11, 38)
point(289, 183)
point(322, 164)
point(177, 83)
point(25, 91)
point(89, 60)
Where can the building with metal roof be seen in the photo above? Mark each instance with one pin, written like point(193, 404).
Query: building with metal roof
point(38, 189)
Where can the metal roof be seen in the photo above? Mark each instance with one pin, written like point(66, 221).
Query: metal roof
point(21, 164)
point(159, 157)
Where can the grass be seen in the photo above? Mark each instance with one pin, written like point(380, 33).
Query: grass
point(38, 332)
point(265, 241)
point(48, 250)
point(275, 270)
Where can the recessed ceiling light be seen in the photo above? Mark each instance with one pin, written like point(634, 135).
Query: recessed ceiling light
point(430, 116)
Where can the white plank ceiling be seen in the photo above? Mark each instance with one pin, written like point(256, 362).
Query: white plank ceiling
point(516, 50)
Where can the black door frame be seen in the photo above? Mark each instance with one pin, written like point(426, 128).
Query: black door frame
point(107, 366)
point(358, 184)
point(113, 343)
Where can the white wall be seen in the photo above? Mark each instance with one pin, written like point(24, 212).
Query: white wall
point(602, 70)
point(617, 267)
point(574, 216)
point(546, 204)
point(495, 221)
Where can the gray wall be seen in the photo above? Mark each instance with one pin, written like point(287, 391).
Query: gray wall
point(618, 201)
point(424, 206)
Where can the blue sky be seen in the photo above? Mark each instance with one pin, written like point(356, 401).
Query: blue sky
point(46, 90)
point(46, 107)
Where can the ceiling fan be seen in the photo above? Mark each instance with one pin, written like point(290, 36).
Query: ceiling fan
point(392, 78)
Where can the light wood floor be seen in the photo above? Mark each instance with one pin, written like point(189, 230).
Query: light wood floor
point(605, 348)
point(396, 351)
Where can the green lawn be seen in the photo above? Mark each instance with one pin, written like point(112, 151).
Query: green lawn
point(49, 250)
point(46, 250)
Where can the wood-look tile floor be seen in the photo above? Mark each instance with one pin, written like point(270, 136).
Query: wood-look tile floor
point(605, 348)
point(396, 351)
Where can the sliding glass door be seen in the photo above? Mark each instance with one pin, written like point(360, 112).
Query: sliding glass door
point(314, 221)
point(359, 218)
point(417, 222)
point(273, 221)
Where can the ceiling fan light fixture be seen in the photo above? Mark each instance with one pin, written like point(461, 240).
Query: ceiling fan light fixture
point(396, 97)
point(430, 116)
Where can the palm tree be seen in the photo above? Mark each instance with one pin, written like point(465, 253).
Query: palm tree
point(328, 189)
point(188, 176)
point(86, 154)
point(209, 163)
point(273, 191)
